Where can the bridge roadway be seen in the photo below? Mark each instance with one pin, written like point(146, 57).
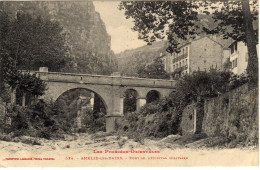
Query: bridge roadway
point(111, 89)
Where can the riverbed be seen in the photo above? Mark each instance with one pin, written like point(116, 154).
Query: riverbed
point(102, 149)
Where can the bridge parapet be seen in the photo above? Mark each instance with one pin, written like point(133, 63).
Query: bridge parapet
point(102, 79)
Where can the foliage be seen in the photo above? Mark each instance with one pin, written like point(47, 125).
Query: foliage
point(202, 84)
point(94, 121)
point(9, 73)
point(179, 20)
point(47, 121)
point(33, 42)
point(92, 62)
point(87, 47)
point(163, 117)
point(65, 109)
point(156, 119)
point(129, 61)
point(154, 70)
point(28, 42)
point(26, 83)
point(30, 84)
point(130, 98)
point(35, 121)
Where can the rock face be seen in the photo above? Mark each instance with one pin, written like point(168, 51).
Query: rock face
point(130, 60)
point(86, 34)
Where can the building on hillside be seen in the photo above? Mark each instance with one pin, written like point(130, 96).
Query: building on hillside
point(197, 54)
point(238, 56)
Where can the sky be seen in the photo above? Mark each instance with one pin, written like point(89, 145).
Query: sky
point(122, 37)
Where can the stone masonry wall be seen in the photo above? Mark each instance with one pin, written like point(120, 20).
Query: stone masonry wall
point(192, 117)
point(205, 54)
point(234, 114)
point(187, 123)
point(2, 110)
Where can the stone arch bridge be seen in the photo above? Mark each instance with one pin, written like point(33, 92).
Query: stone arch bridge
point(111, 89)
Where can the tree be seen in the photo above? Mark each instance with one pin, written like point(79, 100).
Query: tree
point(154, 70)
point(28, 43)
point(31, 85)
point(10, 76)
point(130, 98)
point(32, 42)
point(179, 20)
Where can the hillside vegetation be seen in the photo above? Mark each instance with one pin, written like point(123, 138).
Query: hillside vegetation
point(86, 36)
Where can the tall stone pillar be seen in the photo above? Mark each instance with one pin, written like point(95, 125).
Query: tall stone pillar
point(195, 120)
point(121, 106)
point(78, 119)
point(140, 102)
point(13, 96)
point(79, 113)
point(116, 111)
point(91, 101)
point(24, 99)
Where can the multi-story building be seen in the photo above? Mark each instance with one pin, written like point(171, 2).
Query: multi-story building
point(198, 54)
point(239, 57)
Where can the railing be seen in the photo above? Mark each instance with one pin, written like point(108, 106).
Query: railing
point(183, 56)
point(181, 68)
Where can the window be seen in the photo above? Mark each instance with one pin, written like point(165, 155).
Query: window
point(176, 65)
point(180, 64)
point(235, 62)
point(232, 49)
point(173, 67)
point(186, 61)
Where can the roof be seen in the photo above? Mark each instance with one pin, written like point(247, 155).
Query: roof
point(225, 43)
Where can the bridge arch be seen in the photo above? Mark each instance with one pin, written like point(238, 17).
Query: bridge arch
point(126, 89)
point(96, 94)
point(153, 95)
point(130, 97)
point(56, 89)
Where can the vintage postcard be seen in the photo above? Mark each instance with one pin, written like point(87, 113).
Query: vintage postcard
point(129, 83)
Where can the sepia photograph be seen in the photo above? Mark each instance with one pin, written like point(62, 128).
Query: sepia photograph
point(129, 83)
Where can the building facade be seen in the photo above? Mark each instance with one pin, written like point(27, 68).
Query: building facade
point(205, 53)
point(239, 57)
point(199, 54)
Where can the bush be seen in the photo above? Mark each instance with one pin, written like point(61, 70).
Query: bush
point(34, 121)
point(94, 121)
point(163, 117)
point(157, 123)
